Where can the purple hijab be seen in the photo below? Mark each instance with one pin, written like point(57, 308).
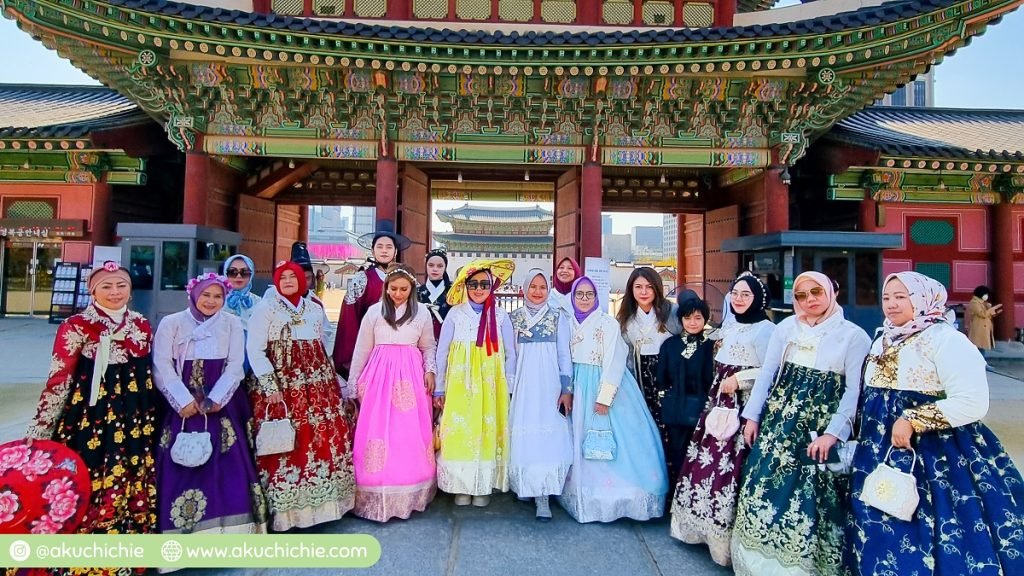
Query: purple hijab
point(196, 286)
point(580, 315)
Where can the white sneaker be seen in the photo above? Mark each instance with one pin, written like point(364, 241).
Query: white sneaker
point(481, 501)
point(463, 499)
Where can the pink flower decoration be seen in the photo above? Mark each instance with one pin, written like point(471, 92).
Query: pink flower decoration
point(9, 504)
point(39, 464)
point(45, 525)
point(111, 266)
point(13, 457)
point(63, 506)
point(57, 486)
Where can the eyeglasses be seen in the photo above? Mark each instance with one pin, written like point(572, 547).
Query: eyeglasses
point(239, 272)
point(478, 284)
point(585, 295)
point(817, 292)
point(741, 295)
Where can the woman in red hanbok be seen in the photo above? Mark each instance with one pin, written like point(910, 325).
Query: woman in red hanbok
point(99, 400)
point(313, 482)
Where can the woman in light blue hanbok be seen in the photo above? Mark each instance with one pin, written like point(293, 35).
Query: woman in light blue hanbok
point(633, 482)
point(540, 438)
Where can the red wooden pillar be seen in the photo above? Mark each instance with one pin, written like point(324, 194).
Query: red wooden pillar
point(776, 201)
point(304, 223)
point(868, 214)
point(590, 211)
point(725, 10)
point(399, 9)
point(1002, 269)
point(589, 12)
point(680, 249)
point(387, 188)
point(197, 188)
point(102, 231)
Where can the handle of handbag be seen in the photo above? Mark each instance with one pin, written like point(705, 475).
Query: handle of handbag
point(206, 423)
point(913, 459)
point(266, 411)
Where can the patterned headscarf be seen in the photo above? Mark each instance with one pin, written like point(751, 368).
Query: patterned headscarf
point(927, 296)
point(196, 286)
point(240, 299)
point(566, 287)
point(530, 275)
point(580, 315)
point(300, 276)
point(107, 270)
point(830, 296)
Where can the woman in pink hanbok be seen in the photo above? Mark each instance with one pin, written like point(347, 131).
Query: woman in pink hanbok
point(393, 368)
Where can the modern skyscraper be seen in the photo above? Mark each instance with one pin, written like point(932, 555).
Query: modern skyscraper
point(919, 92)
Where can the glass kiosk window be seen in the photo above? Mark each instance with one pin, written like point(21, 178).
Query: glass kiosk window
point(141, 261)
point(174, 266)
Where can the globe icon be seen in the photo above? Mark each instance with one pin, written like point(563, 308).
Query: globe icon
point(171, 551)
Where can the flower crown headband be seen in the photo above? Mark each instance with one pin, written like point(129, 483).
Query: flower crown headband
point(402, 272)
point(222, 281)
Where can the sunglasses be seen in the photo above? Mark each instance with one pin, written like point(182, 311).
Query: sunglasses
point(585, 295)
point(816, 292)
point(478, 284)
point(239, 272)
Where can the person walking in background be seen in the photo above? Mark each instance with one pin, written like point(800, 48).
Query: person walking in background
point(99, 400)
point(791, 513)
point(980, 313)
point(434, 292)
point(313, 482)
point(364, 289)
point(476, 361)
point(541, 438)
point(646, 320)
point(924, 397)
point(198, 364)
point(618, 468)
point(704, 508)
point(393, 368)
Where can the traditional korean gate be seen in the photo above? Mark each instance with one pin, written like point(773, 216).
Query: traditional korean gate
point(720, 268)
point(567, 216)
point(414, 215)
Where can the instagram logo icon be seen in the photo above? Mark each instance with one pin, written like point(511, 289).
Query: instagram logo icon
point(20, 550)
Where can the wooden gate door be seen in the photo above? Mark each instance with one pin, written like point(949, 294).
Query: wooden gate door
point(567, 216)
point(720, 268)
point(414, 216)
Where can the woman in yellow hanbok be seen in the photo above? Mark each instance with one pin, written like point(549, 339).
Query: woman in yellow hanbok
point(476, 361)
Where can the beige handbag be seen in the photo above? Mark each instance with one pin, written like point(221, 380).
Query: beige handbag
point(722, 422)
point(891, 490)
point(192, 449)
point(275, 436)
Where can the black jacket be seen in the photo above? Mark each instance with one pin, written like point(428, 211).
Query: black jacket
point(685, 381)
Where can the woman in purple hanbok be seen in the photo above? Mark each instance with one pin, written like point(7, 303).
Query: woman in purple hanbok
point(198, 357)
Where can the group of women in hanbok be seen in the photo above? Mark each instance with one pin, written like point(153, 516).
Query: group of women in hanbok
point(436, 386)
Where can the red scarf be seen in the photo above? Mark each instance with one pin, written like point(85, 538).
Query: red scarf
point(487, 332)
point(300, 276)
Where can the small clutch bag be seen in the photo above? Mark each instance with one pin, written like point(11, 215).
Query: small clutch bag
point(891, 490)
point(192, 449)
point(599, 443)
point(275, 436)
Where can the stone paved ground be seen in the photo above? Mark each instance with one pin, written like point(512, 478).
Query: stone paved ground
point(501, 539)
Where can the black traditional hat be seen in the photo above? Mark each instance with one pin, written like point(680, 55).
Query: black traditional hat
point(300, 255)
point(384, 228)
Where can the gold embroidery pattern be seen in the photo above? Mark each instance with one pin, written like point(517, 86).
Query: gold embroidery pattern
point(376, 456)
point(228, 437)
point(403, 396)
point(188, 509)
point(926, 418)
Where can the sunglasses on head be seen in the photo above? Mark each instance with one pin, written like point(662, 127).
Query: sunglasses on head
point(239, 272)
point(817, 292)
point(478, 284)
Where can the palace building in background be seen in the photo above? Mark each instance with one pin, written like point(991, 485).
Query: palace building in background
point(751, 124)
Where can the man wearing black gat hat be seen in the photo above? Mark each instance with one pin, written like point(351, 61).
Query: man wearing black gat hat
point(365, 288)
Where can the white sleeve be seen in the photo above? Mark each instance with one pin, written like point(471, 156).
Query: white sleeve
point(256, 344)
point(427, 344)
point(234, 365)
point(856, 352)
point(763, 384)
point(565, 370)
point(613, 366)
point(508, 342)
point(365, 342)
point(961, 371)
point(444, 344)
point(165, 371)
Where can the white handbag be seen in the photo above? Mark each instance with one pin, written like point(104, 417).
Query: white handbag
point(275, 436)
point(891, 490)
point(722, 422)
point(192, 449)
